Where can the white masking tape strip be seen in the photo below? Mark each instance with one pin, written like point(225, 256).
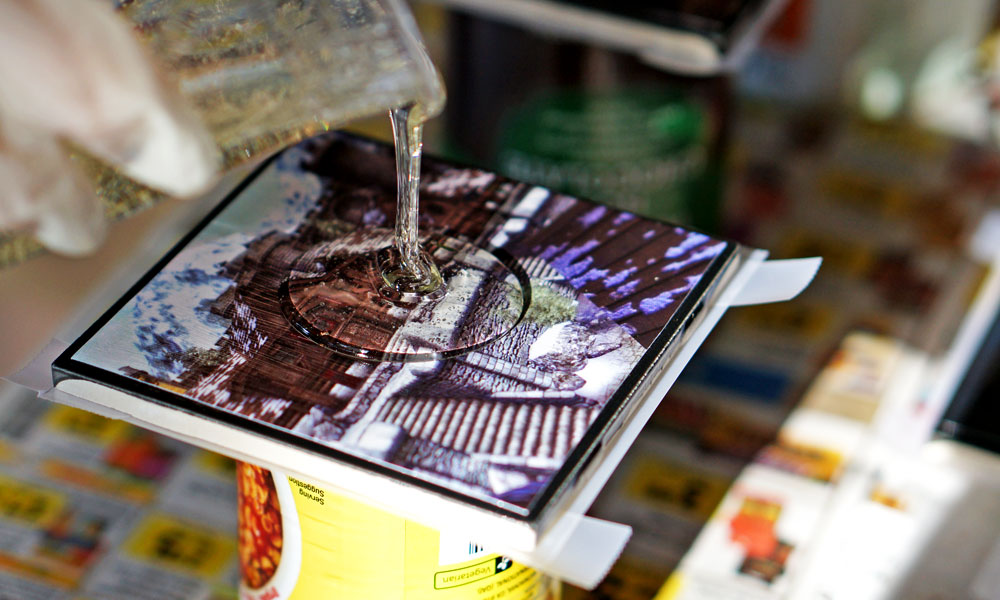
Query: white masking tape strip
point(588, 550)
point(37, 374)
point(778, 280)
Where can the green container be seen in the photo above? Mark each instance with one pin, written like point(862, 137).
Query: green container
point(641, 150)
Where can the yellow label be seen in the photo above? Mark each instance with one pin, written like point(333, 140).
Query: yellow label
point(672, 588)
point(631, 578)
point(85, 425)
point(8, 452)
point(661, 482)
point(760, 508)
point(471, 574)
point(346, 549)
point(133, 491)
point(838, 254)
point(216, 463)
point(175, 544)
point(869, 193)
point(807, 460)
point(27, 503)
point(349, 550)
point(897, 138)
point(795, 318)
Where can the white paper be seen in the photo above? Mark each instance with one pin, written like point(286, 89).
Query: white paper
point(583, 555)
point(37, 375)
point(986, 585)
point(778, 280)
point(984, 245)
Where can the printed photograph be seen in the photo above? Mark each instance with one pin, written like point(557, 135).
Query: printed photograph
point(494, 423)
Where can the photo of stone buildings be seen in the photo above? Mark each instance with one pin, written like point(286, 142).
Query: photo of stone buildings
point(495, 423)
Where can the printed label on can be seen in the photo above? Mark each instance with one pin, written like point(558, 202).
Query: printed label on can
point(301, 541)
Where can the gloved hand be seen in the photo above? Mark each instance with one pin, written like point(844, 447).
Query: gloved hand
point(71, 70)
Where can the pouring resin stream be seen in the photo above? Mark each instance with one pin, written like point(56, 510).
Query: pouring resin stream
point(418, 287)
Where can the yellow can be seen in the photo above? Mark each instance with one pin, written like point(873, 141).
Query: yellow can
point(299, 541)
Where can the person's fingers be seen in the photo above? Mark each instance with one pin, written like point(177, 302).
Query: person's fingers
point(74, 222)
point(16, 208)
point(43, 193)
point(76, 70)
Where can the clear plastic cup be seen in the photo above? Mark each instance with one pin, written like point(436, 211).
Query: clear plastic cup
point(261, 74)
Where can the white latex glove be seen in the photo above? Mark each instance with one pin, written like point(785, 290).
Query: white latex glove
point(72, 70)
